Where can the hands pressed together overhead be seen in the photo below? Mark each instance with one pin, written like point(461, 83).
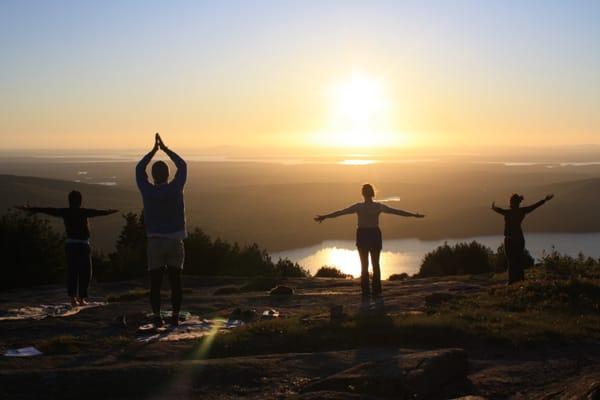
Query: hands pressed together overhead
point(158, 143)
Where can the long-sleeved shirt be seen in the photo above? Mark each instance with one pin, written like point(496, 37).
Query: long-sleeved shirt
point(76, 222)
point(164, 208)
point(513, 218)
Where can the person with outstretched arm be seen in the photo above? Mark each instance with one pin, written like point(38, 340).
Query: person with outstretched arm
point(368, 238)
point(78, 251)
point(164, 219)
point(514, 240)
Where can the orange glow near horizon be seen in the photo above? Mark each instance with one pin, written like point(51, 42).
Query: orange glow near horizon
point(320, 77)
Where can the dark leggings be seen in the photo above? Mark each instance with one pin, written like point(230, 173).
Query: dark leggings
point(79, 269)
point(375, 289)
point(155, 286)
point(515, 249)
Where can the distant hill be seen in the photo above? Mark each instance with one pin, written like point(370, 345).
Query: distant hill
point(273, 205)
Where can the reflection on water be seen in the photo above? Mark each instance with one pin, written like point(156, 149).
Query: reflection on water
point(389, 199)
point(405, 255)
point(347, 260)
point(358, 162)
point(104, 183)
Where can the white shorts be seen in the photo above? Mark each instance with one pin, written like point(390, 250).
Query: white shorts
point(164, 252)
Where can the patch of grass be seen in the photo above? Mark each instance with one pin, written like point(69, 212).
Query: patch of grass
point(261, 284)
point(71, 344)
point(522, 315)
point(63, 344)
point(572, 295)
point(130, 295)
point(293, 335)
point(227, 290)
point(535, 313)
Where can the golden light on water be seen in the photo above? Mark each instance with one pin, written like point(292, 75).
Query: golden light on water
point(347, 261)
point(358, 162)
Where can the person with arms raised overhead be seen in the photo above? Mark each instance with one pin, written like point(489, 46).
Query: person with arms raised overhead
point(164, 219)
point(514, 241)
point(368, 238)
point(78, 251)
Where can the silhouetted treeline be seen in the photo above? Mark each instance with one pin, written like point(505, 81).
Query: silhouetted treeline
point(466, 258)
point(34, 254)
point(203, 256)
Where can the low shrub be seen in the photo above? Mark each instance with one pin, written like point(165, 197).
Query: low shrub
point(459, 259)
point(557, 265)
point(398, 277)
point(467, 258)
point(331, 272)
point(288, 269)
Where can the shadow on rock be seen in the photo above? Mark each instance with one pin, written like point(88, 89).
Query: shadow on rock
point(430, 374)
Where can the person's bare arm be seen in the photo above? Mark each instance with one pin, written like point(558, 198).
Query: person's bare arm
point(532, 207)
point(335, 214)
point(54, 212)
point(497, 209)
point(402, 213)
point(91, 213)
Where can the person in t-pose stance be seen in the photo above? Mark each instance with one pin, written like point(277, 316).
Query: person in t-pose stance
point(79, 261)
point(164, 218)
point(514, 241)
point(368, 237)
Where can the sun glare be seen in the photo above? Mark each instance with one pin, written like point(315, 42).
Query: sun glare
point(348, 262)
point(360, 113)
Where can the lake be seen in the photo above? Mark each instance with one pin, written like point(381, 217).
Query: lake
point(405, 255)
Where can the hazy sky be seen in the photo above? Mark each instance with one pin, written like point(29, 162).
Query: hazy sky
point(81, 74)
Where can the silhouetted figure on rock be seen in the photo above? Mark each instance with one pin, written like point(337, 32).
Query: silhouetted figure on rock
point(78, 251)
point(164, 219)
point(368, 237)
point(514, 241)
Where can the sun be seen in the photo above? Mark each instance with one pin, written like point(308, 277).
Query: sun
point(360, 112)
point(359, 99)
